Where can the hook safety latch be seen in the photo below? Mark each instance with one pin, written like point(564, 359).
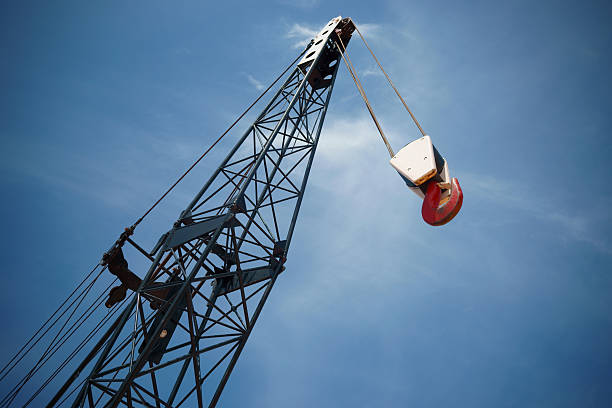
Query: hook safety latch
point(437, 210)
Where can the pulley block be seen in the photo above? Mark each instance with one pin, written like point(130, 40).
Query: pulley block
point(426, 173)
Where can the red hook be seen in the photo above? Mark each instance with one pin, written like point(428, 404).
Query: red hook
point(436, 214)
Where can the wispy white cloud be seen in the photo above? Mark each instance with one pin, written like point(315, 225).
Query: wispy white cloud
point(370, 30)
point(349, 185)
point(371, 72)
point(257, 84)
point(301, 34)
point(130, 181)
point(301, 4)
point(362, 263)
point(509, 195)
point(408, 59)
point(183, 51)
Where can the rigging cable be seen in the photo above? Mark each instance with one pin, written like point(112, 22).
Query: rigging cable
point(6, 367)
point(390, 82)
point(216, 141)
point(353, 72)
point(80, 347)
point(44, 329)
point(57, 343)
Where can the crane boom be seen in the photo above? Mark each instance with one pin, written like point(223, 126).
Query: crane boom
point(212, 272)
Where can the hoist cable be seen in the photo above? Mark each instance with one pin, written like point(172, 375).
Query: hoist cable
point(53, 346)
point(57, 343)
point(80, 347)
point(89, 357)
point(148, 320)
point(6, 366)
point(353, 72)
point(67, 396)
point(217, 141)
point(390, 82)
point(15, 360)
point(56, 347)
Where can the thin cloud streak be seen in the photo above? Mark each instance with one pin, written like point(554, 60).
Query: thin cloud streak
point(301, 33)
point(504, 193)
point(257, 84)
point(301, 4)
point(372, 72)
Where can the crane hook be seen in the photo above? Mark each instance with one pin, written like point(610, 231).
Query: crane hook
point(435, 212)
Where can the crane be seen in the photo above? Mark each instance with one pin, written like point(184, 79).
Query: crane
point(181, 328)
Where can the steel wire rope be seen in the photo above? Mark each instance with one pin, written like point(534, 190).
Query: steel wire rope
point(77, 349)
point(3, 375)
point(216, 141)
point(57, 343)
point(68, 395)
point(79, 322)
point(361, 90)
point(61, 341)
point(115, 351)
point(353, 73)
point(75, 375)
point(390, 82)
point(12, 363)
point(12, 394)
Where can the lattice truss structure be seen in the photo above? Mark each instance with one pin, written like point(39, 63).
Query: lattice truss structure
point(179, 338)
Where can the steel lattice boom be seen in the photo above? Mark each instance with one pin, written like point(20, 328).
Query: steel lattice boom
point(178, 340)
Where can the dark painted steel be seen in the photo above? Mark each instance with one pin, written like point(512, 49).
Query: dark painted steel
point(235, 234)
point(278, 268)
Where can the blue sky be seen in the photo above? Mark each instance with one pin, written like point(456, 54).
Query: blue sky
point(104, 105)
